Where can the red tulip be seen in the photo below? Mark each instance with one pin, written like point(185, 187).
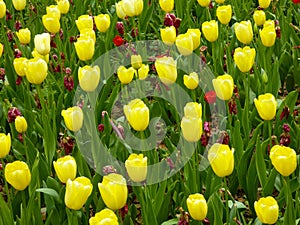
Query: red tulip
point(296, 1)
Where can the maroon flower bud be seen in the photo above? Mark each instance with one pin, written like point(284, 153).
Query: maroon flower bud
point(18, 25)
point(20, 137)
point(68, 71)
point(73, 39)
point(55, 57)
point(236, 92)
point(118, 40)
point(295, 113)
point(276, 22)
point(37, 102)
point(10, 36)
point(2, 74)
point(278, 32)
point(224, 138)
point(177, 23)
point(33, 9)
point(69, 82)
point(285, 139)
point(286, 128)
point(204, 140)
point(108, 169)
point(17, 53)
point(62, 56)
point(61, 34)
point(134, 32)
point(206, 127)
point(57, 69)
point(285, 113)
point(168, 20)
point(12, 114)
point(8, 16)
point(120, 27)
point(211, 6)
point(124, 211)
point(232, 106)
point(101, 127)
point(19, 80)
point(53, 44)
point(206, 221)
point(172, 15)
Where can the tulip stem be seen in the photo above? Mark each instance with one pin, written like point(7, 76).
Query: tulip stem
point(6, 187)
point(270, 132)
point(226, 199)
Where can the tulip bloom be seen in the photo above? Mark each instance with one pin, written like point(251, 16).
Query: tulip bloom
point(42, 43)
point(84, 22)
point(259, 17)
point(87, 34)
point(184, 44)
point(143, 72)
point(35, 54)
point(264, 3)
point(166, 5)
point(136, 61)
point(223, 86)
point(85, 48)
point(120, 12)
point(5, 144)
point(125, 75)
point(24, 36)
point(136, 166)
point(20, 65)
point(113, 190)
point(77, 192)
point(137, 114)
point(54, 10)
point(221, 159)
point(102, 22)
point(104, 217)
point(89, 77)
point(244, 58)
point(19, 4)
point(220, 1)
point(269, 23)
point(197, 206)
point(65, 168)
point(36, 70)
point(204, 3)
point(132, 7)
point(267, 210)
point(196, 35)
point(18, 175)
point(21, 124)
point(244, 32)
point(168, 35)
point(224, 14)
point(266, 106)
point(284, 159)
point(191, 81)
point(73, 118)
point(268, 36)
point(191, 128)
point(2, 9)
point(51, 23)
point(193, 109)
point(166, 68)
point(210, 30)
point(63, 6)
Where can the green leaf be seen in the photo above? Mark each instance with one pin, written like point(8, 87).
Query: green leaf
point(170, 222)
point(260, 164)
point(51, 192)
point(5, 212)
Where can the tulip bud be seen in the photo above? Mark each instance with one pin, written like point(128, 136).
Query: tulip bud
point(143, 72)
point(102, 22)
point(86, 34)
point(267, 210)
point(259, 17)
point(204, 3)
point(132, 7)
point(73, 118)
point(136, 167)
point(65, 168)
point(18, 175)
point(51, 23)
point(268, 36)
point(85, 48)
point(191, 81)
point(168, 35)
point(166, 68)
point(113, 190)
point(244, 32)
point(136, 61)
point(21, 124)
point(191, 128)
point(137, 114)
point(42, 43)
point(35, 54)
point(197, 206)
point(5, 144)
point(77, 192)
point(223, 86)
point(89, 77)
point(84, 22)
point(210, 30)
point(36, 70)
point(19, 4)
point(166, 5)
point(105, 216)
point(266, 106)
point(184, 44)
point(120, 12)
point(264, 3)
point(224, 14)
point(63, 6)
point(196, 35)
point(2, 9)
point(24, 36)
point(244, 58)
point(125, 75)
point(54, 10)
point(20, 65)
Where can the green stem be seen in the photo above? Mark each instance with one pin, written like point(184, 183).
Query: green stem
point(226, 199)
point(9, 201)
point(246, 108)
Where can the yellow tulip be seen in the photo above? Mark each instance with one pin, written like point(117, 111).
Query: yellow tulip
point(136, 61)
point(104, 217)
point(143, 72)
point(125, 75)
point(267, 210)
point(204, 3)
point(119, 8)
point(20, 65)
point(24, 36)
point(220, 1)
point(221, 159)
point(193, 109)
point(51, 23)
point(244, 58)
point(136, 167)
point(86, 34)
point(191, 128)
point(21, 124)
point(223, 86)
point(197, 206)
point(63, 6)
point(224, 14)
point(137, 114)
point(184, 44)
point(196, 35)
point(89, 77)
point(166, 5)
point(18, 175)
point(166, 68)
point(268, 36)
point(132, 7)
point(77, 192)
point(244, 32)
point(1, 49)
point(266, 106)
point(84, 22)
point(19, 4)
point(2, 9)
point(5, 144)
point(65, 168)
point(102, 22)
point(36, 70)
point(35, 54)
point(85, 48)
point(191, 81)
point(269, 23)
point(168, 35)
point(284, 159)
point(210, 30)
point(42, 43)
point(113, 190)
point(73, 118)
point(259, 17)
point(54, 10)
point(264, 3)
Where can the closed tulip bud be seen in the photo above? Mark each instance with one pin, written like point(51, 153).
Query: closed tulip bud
point(1, 49)
point(221, 159)
point(84, 22)
point(220, 1)
point(19, 4)
point(113, 190)
point(54, 10)
point(2, 9)
point(120, 12)
point(89, 77)
point(166, 68)
point(5, 144)
point(24, 36)
point(73, 118)
point(204, 3)
point(86, 34)
point(51, 23)
point(125, 75)
point(132, 7)
point(268, 36)
point(65, 168)
point(20, 65)
point(264, 3)
point(35, 54)
point(191, 81)
point(136, 61)
point(191, 128)
point(224, 14)
point(168, 35)
point(102, 22)
point(18, 175)
point(267, 210)
point(184, 44)
point(36, 70)
point(136, 167)
point(143, 72)
point(266, 106)
point(137, 114)
point(166, 5)
point(244, 32)
point(85, 48)
point(210, 30)
point(104, 217)
point(63, 6)
point(21, 124)
point(244, 58)
point(197, 206)
point(196, 35)
point(259, 17)
point(223, 86)
point(42, 43)
point(193, 109)
point(77, 192)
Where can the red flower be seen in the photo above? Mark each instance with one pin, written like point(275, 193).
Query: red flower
point(210, 97)
point(296, 1)
point(118, 40)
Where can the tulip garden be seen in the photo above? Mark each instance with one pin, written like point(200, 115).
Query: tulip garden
point(149, 112)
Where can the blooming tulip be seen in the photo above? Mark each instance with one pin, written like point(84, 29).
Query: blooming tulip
point(193, 109)
point(21, 124)
point(5, 144)
point(36, 70)
point(196, 35)
point(35, 54)
point(136, 61)
point(65, 168)
point(191, 81)
point(210, 30)
point(102, 22)
point(42, 43)
point(168, 35)
point(104, 217)
point(54, 10)
point(113, 190)
point(264, 3)
point(266, 106)
point(19, 4)
point(184, 44)
point(269, 23)
point(143, 72)
point(2, 9)
point(244, 32)
point(17, 175)
point(87, 34)
point(85, 48)
point(191, 128)
point(51, 23)
point(259, 17)
point(125, 75)
point(268, 36)
point(283, 159)
point(267, 210)
point(137, 114)
point(19, 65)
point(166, 68)
point(132, 7)
point(244, 58)
point(223, 86)
point(120, 12)
point(197, 206)
point(224, 14)
point(84, 22)
point(136, 166)
point(204, 3)
point(24, 36)
point(221, 159)
point(63, 6)
point(89, 77)
point(220, 1)
point(73, 118)
point(77, 192)
point(166, 5)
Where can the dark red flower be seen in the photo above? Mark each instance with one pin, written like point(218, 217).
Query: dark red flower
point(120, 27)
point(118, 40)
point(296, 1)
point(12, 114)
point(69, 82)
point(2, 74)
point(19, 80)
point(210, 97)
point(101, 127)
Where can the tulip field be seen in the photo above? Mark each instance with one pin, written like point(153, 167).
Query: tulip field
point(154, 112)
